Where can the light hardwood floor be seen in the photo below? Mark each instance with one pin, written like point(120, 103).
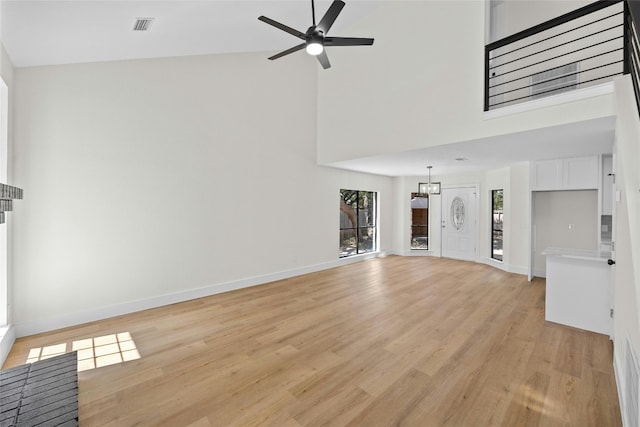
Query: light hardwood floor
point(413, 341)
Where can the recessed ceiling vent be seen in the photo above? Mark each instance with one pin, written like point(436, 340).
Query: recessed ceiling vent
point(142, 24)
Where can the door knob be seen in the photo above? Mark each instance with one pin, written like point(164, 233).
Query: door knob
point(610, 262)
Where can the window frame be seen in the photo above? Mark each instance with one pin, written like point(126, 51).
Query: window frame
point(494, 230)
point(371, 226)
point(424, 226)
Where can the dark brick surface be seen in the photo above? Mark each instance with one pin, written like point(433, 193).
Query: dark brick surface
point(48, 384)
point(43, 393)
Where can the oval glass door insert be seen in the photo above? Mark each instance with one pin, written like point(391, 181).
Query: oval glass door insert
point(457, 213)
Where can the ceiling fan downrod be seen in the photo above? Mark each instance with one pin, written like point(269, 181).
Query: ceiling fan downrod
point(313, 13)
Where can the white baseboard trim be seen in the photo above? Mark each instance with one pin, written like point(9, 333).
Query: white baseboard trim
point(516, 269)
point(415, 252)
point(540, 273)
point(619, 381)
point(7, 338)
point(85, 316)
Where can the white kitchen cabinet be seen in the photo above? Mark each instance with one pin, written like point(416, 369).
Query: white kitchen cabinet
point(546, 175)
point(607, 185)
point(577, 173)
point(578, 289)
point(580, 173)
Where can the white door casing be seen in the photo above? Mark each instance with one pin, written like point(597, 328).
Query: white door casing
point(459, 223)
point(614, 208)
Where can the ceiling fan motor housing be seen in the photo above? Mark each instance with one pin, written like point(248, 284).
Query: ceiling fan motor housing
point(315, 36)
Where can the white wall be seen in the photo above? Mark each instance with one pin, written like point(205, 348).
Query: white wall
point(627, 236)
point(519, 219)
point(522, 14)
point(7, 332)
point(401, 214)
point(565, 219)
point(6, 73)
point(153, 180)
point(420, 85)
point(517, 15)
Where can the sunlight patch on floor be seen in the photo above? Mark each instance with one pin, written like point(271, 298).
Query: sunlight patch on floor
point(94, 352)
point(536, 401)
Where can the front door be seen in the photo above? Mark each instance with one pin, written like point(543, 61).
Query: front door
point(459, 228)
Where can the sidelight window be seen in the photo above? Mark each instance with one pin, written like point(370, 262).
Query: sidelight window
point(497, 222)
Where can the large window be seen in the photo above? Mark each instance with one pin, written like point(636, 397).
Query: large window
point(358, 227)
point(419, 221)
point(497, 221)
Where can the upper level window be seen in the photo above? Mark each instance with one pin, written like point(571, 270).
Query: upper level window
point(358, 222)
point(419, 221)
point(497, 221)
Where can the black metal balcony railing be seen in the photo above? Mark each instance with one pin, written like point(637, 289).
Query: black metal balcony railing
point(582, 48)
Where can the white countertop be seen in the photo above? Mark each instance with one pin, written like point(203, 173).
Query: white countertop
point(583, 254)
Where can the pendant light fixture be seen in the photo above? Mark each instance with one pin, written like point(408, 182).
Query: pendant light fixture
point(429, 187)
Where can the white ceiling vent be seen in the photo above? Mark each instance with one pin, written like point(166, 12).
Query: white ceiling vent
point(142, 24)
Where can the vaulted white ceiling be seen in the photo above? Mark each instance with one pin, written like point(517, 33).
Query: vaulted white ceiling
point(61, 32)
point(50, 32)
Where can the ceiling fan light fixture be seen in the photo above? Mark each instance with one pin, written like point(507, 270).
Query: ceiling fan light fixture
point(314, 48)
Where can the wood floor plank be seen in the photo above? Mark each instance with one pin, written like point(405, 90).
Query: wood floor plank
point(414, 341)
point(393, 406)
point(569, 357)
point(527, 407)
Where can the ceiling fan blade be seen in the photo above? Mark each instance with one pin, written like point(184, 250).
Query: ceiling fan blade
point(288, 51)
point(329, 18)
point(283, 27)
point(347, 41)
point(323, 59)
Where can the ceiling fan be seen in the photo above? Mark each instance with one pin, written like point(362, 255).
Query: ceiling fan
point(315, 39)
